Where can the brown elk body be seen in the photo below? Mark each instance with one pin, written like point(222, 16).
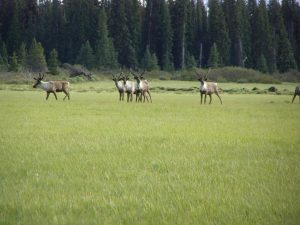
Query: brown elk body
point(208, 88)
point(143, 87)
point(52, 87)
point(297, 92)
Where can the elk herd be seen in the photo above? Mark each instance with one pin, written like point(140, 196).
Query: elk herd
point(140, 87)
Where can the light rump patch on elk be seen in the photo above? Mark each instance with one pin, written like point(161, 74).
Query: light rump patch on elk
point(52, 86)
point(119, 85)
point(297, 92)
point(207, 88)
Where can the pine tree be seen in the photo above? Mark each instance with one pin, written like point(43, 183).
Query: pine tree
point(165, 42)
point(178, 11)
point(190, 61)
point(243, 43)
point(218, 31)
point(262, 40)
point(22, 54)
point(285, 57)
point(105, 53)
point(35, 60)
point(4, 55)
point(53, 62)
point(120, 34)
point(13, 64)
point(85, 56)
point(14, 32)
point(262, 64)
point(149, 61)
point(201, 33)
point(213, 60)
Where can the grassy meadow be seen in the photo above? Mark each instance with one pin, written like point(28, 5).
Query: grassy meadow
point(95, 160)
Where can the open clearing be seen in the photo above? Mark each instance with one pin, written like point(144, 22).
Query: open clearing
point(95, 160)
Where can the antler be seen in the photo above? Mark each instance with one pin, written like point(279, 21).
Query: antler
point(132, 72)
point(141, 75)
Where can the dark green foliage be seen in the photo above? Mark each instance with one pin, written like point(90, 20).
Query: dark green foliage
point(177, 32)
point(190, 61)
point(149, 61)
point(262, 64)
point(35, 60)
point(53, 62)
point(85, 56)
point(13, 63)
point(22, 54)
point(213, 60)
point(218, 31)
point(3, 54)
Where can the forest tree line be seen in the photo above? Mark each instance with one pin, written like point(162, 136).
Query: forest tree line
point(150, 34)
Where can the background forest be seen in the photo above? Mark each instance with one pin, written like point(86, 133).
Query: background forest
point(150, 34)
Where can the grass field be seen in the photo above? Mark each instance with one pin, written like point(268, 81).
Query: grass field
point(95, 160)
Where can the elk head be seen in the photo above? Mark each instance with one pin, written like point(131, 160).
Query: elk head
point(38, 80)
point(115, 78)
point(137, 76)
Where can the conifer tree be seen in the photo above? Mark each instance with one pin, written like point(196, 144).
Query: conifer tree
point(53, 62)
point(218, 31)
point(262, 64)
point(165, 40)
point(13, 64)
point(4, 55)
point(22, 56)
point(213, 60)
point(85, 56)
point(201, 33)
point(14, 32)
point(121, 36)
point(35, 60)
point(263, 42)
point(149, 61)
point(285, 57)
point(105, 56)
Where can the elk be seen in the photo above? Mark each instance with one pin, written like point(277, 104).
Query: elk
point(52, 86)
point(119, 85)
point(131, 88)
point(143, 86)
point(297, 92)
point(207, 88)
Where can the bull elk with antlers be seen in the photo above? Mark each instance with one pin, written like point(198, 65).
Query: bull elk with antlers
point(52, 86)
point(131, 87)
point(119, 85)
point(207, 88)
point(143, 86)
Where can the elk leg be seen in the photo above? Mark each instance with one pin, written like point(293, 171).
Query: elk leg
point(136, 96)
point(131, 96)
point(219, 97)
point(209, 99)
point(201, 95)
point(205, 98)
point(145, 96)
point(149, 96)
point(294, 98)
point(55, 95)
point(48, 93)
point(67, 95)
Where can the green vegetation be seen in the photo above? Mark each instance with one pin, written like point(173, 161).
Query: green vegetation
point(95, 160)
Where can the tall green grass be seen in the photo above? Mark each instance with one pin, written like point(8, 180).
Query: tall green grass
point(95, 160)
